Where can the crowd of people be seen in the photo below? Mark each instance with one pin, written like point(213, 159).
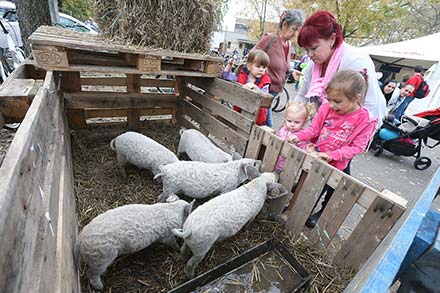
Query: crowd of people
point(340, 103)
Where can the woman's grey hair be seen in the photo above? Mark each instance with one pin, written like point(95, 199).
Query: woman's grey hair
point(290, 17)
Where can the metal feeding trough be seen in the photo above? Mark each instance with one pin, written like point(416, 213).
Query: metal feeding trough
point(268, 267)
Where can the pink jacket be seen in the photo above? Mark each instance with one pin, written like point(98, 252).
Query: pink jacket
point(284, 134)
point(342, 137)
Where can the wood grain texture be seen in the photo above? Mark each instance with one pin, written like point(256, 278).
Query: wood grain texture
point(308, 195)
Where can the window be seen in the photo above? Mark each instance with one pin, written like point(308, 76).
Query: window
point(240, 46)
point(229, 45)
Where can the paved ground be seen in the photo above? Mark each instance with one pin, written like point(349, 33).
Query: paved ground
point(395, 173)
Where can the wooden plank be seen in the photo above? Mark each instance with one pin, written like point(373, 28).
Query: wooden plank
point(47, 35)
point(50, 56)
point(81, 100)
point(118, 112)
point(254, 145)
point(245, 99)
point(66, 278)
point(273, 149)
point(77, 118)
point(43, 267)
point(15, 98)
point(158, 82)
point(133, 119)
point(148, 63)
point(125, 69)
point(216, 128)
point(133, 115)
point(110, 81)
point(337, 209)
point(373, 227)
point(21, 178)
point(309, 194)
point(292, 167)
point(213, 68)
point(70, 81)
point(218, 109)
point(288, 177)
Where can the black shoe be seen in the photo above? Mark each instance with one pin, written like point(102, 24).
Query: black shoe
point(313, 220)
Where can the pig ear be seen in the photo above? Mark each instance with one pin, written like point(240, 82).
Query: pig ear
point(257, 164)
point(172, 198)
point(276, 190)
point(251, 172)
point(188, 209)
point(236, 156)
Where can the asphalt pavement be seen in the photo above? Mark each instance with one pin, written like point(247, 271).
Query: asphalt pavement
point(391, 172)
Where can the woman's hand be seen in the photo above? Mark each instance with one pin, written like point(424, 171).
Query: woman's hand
point(297, 74)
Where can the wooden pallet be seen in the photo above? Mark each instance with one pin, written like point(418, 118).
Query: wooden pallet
point(18, 91)
point(380, 210)
point(63, 50)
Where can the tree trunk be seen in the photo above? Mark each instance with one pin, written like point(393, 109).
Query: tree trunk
point(31, 15)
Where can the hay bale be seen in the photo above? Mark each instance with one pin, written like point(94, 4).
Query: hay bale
point(184, 26)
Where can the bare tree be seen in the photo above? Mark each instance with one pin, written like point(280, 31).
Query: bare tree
point(31, 15)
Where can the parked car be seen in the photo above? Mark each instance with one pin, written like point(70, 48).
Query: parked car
point(8, 17)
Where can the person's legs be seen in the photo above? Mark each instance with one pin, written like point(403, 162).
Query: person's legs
point(313, 219)
point(402, 107)
point(269, 121)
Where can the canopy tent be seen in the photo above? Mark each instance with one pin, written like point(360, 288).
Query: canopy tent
point(420, 51)
point(423, 51)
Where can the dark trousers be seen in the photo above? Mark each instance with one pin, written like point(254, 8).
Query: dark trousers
point(329, 190)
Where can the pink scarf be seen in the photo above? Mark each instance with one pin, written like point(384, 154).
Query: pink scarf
point(318, 83)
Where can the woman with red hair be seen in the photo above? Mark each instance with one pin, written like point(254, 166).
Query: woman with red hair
point(321, 37)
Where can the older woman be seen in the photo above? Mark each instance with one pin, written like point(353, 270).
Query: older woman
point(277, 46)
point(321, 36)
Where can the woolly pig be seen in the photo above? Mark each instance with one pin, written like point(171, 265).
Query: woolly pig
point(125, 230)
point(222, 217)
point(200, 148)
point(141, 151)
point(199, 179)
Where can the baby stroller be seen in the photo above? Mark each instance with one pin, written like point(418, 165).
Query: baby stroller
point(407, 138)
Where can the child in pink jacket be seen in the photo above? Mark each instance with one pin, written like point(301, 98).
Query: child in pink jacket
point(342, 128)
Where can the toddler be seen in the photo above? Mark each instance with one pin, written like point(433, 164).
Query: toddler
point(342, 127)
point(252, 76)
point(296, 115)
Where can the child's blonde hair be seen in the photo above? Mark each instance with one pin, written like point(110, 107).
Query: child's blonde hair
point(296, 107)
point(351, 82)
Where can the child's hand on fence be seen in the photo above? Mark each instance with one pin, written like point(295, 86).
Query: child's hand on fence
point(310, 148)
point(323, 156)
point(250, 86)
point(293, 139)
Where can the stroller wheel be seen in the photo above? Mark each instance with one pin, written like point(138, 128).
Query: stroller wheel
point(422, 163)
point(378, 151)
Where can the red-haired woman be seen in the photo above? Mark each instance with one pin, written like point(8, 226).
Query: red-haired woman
point(321, 37)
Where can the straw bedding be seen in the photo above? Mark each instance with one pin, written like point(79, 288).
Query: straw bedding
point(184, 26)
point(157, 268)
